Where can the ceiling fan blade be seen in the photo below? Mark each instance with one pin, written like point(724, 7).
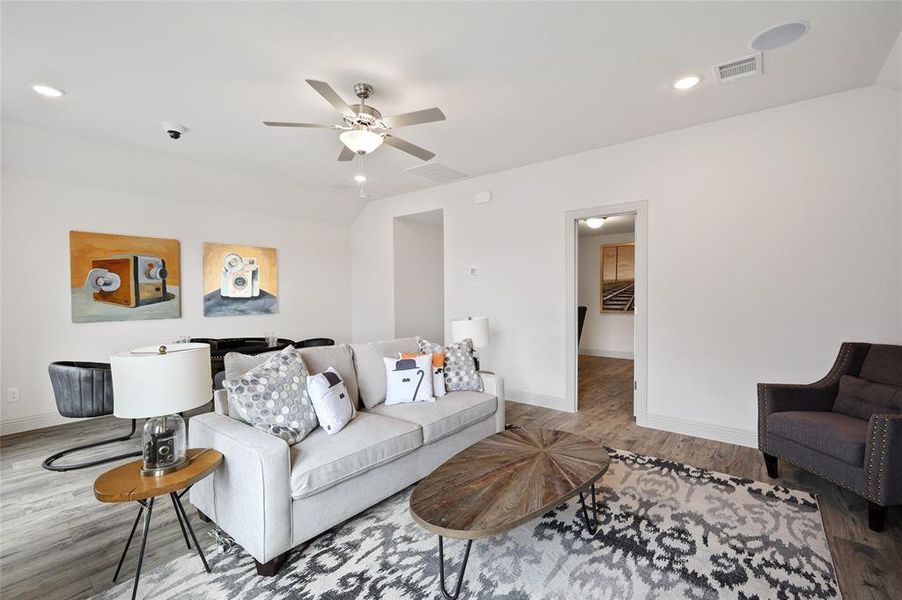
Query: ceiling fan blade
point(407, 147)
point(284, 124)
point(427, 115)
point(346, 153)
point(325, 90)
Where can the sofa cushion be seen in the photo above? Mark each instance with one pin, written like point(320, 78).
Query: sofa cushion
point(834, 434)
point(322, 460)
point(861, 398)
point(340, 358)
point(371, 370)
point(883, 364)
point(445, 416)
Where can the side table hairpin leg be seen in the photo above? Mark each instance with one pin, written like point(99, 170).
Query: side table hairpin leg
point(183, 523)
point(176, 499)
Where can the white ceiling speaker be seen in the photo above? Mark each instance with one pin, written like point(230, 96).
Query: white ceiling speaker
point(740, 68)
point(780, 35)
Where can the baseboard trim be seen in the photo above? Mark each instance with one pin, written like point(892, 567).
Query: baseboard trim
point(627, 354)
point(20, 424)
point(552, 402)
point(730, 435)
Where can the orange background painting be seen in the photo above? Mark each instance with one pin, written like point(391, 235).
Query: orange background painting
point(85, 246)
point(266, 260)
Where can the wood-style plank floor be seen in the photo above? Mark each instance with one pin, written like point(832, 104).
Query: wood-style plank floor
point(58, 542)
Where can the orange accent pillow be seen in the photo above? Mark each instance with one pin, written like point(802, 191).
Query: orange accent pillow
point(438, 370)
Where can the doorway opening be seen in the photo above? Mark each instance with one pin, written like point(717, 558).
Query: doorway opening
point(606, 310)
point(419, 275)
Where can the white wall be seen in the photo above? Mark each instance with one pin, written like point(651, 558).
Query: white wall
point(419, 279)
point(37, 215)
point(772, 211)
point(604, 334)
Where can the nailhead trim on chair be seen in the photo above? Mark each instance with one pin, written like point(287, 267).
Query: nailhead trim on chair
point(878, 453)
point(876, 459)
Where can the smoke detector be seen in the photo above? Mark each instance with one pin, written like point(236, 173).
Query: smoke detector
point(739, 68)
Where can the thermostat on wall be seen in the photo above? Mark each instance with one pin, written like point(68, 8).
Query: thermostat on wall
point(482, 197)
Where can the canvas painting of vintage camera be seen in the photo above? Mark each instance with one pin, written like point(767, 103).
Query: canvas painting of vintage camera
point(123, 277)
point(240, 280)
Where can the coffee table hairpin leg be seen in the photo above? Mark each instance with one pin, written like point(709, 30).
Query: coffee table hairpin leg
point(441, 570)
point(591, 527)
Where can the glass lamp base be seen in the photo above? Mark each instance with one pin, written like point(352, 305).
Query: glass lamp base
point(164, 443)
point(157, 471)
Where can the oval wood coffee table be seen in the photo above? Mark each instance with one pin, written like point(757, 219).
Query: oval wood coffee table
point(504, 481)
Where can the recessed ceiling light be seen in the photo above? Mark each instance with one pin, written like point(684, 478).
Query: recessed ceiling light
point(595, 222)
point(48, 91)
point(780, 35)
point(359, 178)
point(687, 82)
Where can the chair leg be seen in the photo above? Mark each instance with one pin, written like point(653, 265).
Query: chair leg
point(770, 462)
point(877, 516)
point(271, 567)
point(48, 462)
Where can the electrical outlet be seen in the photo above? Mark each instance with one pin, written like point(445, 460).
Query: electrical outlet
point(12, 394)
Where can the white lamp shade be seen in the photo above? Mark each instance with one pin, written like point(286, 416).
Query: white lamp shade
point(147, 383)
point(475, 328)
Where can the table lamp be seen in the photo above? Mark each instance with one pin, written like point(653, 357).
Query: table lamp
point(475, 328)
point(156, 383)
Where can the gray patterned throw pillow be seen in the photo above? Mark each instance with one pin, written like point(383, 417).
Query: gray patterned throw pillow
point(273, 397)
point(460, 367)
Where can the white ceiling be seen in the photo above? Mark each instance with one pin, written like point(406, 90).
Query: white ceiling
point(612, 225)
point(519, 82)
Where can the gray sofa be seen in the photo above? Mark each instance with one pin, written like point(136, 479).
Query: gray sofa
point(846, 428)
point(271, 497)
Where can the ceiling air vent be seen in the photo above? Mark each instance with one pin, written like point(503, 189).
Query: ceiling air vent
point(436, 172)
point(740, 68)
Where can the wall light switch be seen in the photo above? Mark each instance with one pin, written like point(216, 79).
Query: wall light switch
point(12, 394)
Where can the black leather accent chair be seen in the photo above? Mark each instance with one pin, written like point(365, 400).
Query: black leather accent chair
point(84, 390)
point(846, 428)
point(314, 342)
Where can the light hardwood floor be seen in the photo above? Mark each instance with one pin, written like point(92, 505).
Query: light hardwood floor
point(58, 542)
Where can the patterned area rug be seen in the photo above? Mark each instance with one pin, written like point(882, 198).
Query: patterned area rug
point(667, 530)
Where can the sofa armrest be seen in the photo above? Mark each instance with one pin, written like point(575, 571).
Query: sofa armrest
point(249, 496)
point(221, 402)
point(883, 459)
point(818, 396)
point(494, 384)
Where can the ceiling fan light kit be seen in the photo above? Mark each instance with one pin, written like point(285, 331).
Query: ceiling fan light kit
point(364, 129)
point(361, 140)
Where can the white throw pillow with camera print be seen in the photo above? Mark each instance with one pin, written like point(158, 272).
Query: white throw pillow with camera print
point(331, 402)
point(408, 379)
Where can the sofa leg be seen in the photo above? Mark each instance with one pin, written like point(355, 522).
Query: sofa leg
point(876, 516)
point(771, 463)
point(204, 517)
point(270, 568)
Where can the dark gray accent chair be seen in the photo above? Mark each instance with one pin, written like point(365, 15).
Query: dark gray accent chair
point(84, 390)
point(846, 428)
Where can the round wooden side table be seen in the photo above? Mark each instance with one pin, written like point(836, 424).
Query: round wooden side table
point(126, 484)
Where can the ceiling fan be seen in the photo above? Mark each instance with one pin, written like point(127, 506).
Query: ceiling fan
point(364, 128)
